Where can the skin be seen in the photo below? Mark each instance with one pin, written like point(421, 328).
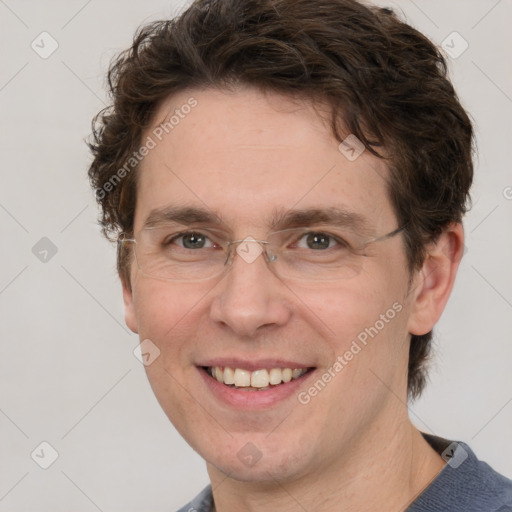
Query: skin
point(352, 447)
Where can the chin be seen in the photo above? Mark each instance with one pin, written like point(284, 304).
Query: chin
point(256, 461)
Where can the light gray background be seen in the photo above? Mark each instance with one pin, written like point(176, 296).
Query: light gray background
point(68, 374)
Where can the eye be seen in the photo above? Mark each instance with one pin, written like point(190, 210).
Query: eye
point(318, 241)
point(191, 240)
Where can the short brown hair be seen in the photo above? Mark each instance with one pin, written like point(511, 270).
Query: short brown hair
point(384, 82)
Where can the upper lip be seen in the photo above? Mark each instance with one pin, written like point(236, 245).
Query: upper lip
point(253, 365)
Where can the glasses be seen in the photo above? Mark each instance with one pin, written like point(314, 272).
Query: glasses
point(194, 254)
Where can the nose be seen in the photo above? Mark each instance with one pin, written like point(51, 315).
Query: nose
point(250, 297)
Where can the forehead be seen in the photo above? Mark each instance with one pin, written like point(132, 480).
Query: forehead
point(245, 154)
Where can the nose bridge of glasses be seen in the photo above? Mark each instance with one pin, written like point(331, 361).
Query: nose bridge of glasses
point(248, 249)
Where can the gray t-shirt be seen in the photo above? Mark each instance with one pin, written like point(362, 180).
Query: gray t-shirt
point(465, 484)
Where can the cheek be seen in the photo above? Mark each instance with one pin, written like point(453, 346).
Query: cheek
point(368, 334)
point(346, 310)
point(366, 329)
point(166, 311)
point(168, 314)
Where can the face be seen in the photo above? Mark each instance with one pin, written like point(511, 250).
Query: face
point(243, 164)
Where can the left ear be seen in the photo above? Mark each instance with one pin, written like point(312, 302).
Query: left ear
point(129, 308)
point(433, 283)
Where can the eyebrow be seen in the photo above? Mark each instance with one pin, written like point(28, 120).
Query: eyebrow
point(281, 219)
point(181, 215)
point(333, 216)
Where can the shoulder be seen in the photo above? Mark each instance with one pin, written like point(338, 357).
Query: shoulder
point(464, 484)
point(203, 502)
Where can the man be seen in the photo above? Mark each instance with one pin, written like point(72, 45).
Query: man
point(286, 181)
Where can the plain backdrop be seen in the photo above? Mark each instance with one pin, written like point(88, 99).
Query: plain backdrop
point(69, 376)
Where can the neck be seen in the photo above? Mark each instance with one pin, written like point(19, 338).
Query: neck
point(384, 471)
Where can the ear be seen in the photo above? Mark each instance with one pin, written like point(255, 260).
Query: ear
point(129, 308)
point(433, 284)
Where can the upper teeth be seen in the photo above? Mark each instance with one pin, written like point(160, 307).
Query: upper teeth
point(257, 379)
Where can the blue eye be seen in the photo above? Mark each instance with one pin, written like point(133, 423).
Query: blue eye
point(317, 241)
point(191, 240)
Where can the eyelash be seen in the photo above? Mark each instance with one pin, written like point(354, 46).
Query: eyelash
point(169, 240)
point(339, 241)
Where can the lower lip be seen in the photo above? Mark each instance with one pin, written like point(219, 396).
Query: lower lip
point(253, 399)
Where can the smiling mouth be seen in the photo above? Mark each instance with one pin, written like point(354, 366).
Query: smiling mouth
point(258, 380)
